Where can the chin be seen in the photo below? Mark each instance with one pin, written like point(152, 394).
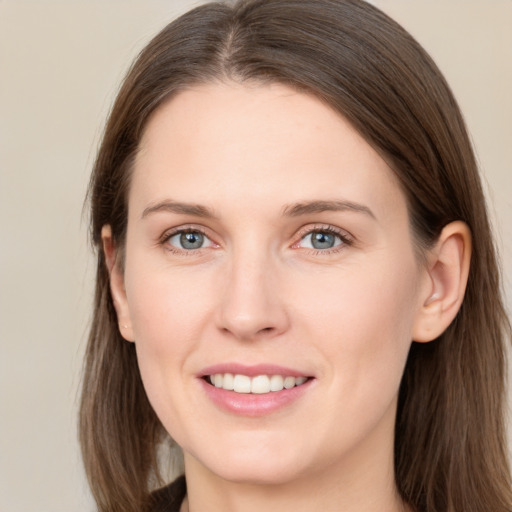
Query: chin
point(257, 467)
point(266, 474)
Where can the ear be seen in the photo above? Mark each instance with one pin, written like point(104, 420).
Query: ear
point(445, 284)
point(117, 288)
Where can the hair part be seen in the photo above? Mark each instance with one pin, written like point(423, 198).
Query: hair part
point(450, 447)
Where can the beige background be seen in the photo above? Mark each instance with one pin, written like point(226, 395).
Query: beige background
point(60, 65)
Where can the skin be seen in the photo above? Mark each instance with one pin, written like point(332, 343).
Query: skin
point(258, 292)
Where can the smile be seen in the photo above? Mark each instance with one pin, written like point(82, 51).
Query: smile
point(260, 384)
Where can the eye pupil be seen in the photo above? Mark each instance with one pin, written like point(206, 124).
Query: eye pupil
point(191, 240)
point(322, 240)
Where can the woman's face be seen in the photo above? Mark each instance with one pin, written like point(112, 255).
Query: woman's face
point(268, 246)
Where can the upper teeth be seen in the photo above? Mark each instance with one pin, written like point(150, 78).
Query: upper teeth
point(260, 384)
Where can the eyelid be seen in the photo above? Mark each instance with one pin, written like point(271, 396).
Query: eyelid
point(346, 238)
point(187, 228)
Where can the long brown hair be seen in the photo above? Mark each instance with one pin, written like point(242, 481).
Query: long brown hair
point(450, 447)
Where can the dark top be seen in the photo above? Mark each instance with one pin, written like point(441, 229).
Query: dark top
point(170, 498)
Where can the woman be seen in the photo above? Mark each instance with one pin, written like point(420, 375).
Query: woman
point(296, 278)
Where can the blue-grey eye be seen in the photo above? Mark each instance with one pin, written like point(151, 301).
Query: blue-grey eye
point(321, 240)
point(189, 240)
point(192, 240)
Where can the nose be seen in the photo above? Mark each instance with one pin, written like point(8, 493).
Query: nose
point(252, 305)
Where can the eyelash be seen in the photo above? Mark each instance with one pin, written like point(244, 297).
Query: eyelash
point(345, 239)
point(179, 231)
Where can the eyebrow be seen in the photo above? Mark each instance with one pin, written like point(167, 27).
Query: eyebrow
point(298, 209)
point(293, 210)
point(168, 205)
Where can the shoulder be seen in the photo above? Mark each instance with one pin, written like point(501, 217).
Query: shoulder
point(170, 497)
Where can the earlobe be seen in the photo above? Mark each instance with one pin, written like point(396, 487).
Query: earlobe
point(117, 288)
point(448, 270)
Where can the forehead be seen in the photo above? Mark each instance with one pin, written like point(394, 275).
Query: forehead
point(254, 115)
point(221, 141)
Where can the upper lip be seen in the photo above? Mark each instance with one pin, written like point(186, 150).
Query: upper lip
point(252, 370)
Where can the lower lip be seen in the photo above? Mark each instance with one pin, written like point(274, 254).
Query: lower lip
point(249, 404)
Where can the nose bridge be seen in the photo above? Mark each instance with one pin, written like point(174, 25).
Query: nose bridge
point(251, 304)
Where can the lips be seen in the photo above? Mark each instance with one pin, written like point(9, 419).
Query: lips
point(253, 390)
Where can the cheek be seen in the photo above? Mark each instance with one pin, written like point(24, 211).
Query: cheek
point(166, 306)
point(364, 320)
point(168, 311)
